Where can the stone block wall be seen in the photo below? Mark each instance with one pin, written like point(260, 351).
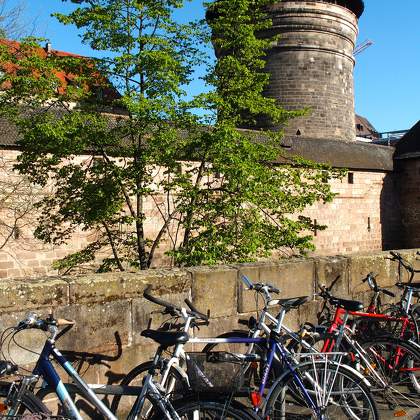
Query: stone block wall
point(106, 304)
point(311, 66)
point(364, 216)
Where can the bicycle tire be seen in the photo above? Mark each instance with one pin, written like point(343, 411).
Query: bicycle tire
point(348, 395)
point(135, 377)
point(387, 394)
point(30, 403)
point(410, 360)
point(189, 407)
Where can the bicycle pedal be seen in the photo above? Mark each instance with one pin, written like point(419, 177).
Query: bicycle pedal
point(400, 413)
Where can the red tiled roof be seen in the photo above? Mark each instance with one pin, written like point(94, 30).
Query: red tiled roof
point(108, 91)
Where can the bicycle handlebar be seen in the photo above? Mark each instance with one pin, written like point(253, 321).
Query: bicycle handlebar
point(196, 312)
point(160, 302)
point(173, 309)
point(325, 291)
point(398, 257)
point(259, 287)
point(34, 321)
point(387, 292)
point(371, 280)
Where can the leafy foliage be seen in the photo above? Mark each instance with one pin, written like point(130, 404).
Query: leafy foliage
point(249, 210)
point(116, 139)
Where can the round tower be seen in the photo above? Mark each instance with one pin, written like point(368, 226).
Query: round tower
point(312, 65)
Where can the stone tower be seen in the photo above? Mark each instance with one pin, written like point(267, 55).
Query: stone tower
point(312, 65)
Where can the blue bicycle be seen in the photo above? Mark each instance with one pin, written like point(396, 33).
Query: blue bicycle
point(311, 385)
point(20, 397)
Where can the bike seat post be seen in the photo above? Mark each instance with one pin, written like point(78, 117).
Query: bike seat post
point(409, 298)
point(341, 331)
point(156, 360)
point(280, 320)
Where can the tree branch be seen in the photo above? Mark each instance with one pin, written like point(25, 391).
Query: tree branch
point(113, 247)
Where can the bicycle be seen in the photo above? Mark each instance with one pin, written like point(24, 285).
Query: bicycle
point(44, 369)
point(389, 362)
point(317, 388)
point(396, 321)
point(312, 338)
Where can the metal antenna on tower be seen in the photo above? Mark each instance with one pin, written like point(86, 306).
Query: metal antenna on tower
point(361, 47)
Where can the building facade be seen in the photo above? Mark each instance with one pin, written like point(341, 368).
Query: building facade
point(377, 206)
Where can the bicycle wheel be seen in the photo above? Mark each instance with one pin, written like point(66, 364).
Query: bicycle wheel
point(30, 404)
point(176, 387)
point(336, 390)
point(188, 409)
point(394, 328)
point(398, 362)
point(86, 409)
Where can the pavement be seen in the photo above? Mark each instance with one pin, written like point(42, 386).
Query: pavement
point(412, 414)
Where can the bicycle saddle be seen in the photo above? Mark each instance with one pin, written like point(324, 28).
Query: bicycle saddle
point(348, 305)
point(7, 368)
point(166, 338)
point(290, 303)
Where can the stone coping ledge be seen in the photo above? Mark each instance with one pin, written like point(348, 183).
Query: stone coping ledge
point(206, 285)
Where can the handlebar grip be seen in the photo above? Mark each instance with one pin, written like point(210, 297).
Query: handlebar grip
point(387, 292)
point(61, 322)
point(273, 289)
point(196, 312)
point(395, 254)
point(160, 302)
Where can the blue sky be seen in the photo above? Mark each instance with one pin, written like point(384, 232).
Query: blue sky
point(387, 75)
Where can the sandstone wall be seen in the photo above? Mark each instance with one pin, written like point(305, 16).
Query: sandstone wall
point(363, 217)
point(105, 304)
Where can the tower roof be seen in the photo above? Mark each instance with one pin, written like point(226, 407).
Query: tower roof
point(356, 6)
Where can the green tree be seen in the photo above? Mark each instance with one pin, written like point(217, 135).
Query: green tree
point(217, 191)
point(253, 206)
point(13, 22)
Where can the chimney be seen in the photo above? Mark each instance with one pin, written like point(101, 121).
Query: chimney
point(48, 48)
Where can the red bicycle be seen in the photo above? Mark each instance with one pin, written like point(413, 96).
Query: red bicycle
point(391, 364)
point(396, 320)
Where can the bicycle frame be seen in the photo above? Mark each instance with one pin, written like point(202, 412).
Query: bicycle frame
point(338, 328)
point(274, 346)
point(45, 369)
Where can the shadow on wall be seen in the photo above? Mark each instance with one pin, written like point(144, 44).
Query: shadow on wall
point(390, 213)
point(407, 172)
